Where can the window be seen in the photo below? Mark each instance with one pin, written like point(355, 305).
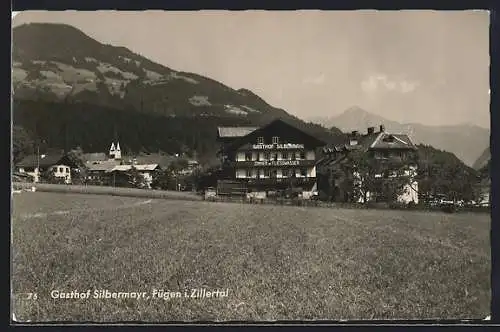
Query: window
point(249, 173)
point(61, 170)
point(303, 172)
point(260, 140)
point(267, 172)
point(284, 155)
point(276, 139)
point(302, 155)
point(248, 156)
point(258, 156)
point(293, 156)
point(275, 156)
point(266, 156)
point(67, 169)
point(293, 173)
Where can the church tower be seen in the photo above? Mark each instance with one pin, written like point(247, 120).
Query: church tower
point(118, 151)
point(112, 151)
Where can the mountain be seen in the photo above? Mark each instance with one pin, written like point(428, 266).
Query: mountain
point(58, 67)
point(465, 141)
point(483, 159)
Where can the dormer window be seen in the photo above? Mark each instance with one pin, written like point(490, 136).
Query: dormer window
point(260, 140)
point(389, 139)
point(276, 139)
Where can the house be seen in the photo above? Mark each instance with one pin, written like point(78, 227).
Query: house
point(94, 158)
point(98, 171)
point(147, 172)
point(192, 165)
point(120, 172)
point(272, 158)
point(55, 162)
point(393, 154)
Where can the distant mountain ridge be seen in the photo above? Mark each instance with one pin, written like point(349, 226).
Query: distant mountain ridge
point(467, 142)
point(483, 159)
point(57, 63)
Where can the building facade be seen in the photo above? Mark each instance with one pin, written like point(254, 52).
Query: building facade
point(273, 158)
point(57, 163)
point(388, 159)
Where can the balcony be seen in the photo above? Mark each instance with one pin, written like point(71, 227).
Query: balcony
point(297, 181)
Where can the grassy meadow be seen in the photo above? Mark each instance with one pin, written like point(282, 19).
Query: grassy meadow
point(277, 262)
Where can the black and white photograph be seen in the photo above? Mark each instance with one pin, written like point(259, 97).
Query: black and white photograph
point(250, 166)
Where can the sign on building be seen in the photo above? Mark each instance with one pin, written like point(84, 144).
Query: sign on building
point(277, 146)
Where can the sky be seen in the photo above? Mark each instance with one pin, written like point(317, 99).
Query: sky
point(427, 67)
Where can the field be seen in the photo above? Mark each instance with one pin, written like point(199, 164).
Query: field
point(277, 262)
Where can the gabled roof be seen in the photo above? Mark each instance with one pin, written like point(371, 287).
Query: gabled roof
point(150, 167)
point(234, 132)
point(377, 140)
point(104, 166)
point(44, 160)
point(120, 168)
point(163, 160)
point(125, 168)
point(277, 126)
point(93, 157)
point(387, 140)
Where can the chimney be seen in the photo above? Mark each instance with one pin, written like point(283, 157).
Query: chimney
point(354, 133)
point(371, 130)
point(382, 128)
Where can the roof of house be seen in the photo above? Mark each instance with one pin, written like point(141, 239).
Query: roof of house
point(234, 132)
point(44, 160)
point(120, 168)
point(139, 167)
point(277, 125)
point(150, 167)
point(163, 160)
point(376, 140)
point(94, 157)
point(104, 166)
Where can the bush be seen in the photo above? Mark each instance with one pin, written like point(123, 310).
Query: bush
point(450, 208)
point(411, 205)
point(323, 196)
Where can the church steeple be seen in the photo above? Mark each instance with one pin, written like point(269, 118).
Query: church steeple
point(112, 150)
point(118, 151)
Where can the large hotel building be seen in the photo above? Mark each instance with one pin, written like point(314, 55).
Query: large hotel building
point(274, 157)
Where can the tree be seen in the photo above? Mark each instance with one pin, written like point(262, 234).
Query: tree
point(163, 180)
point(177, 165)
point(22, 143)
point(136, 179)
point(364, 177)
point(441, 172)
point(361, 171)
